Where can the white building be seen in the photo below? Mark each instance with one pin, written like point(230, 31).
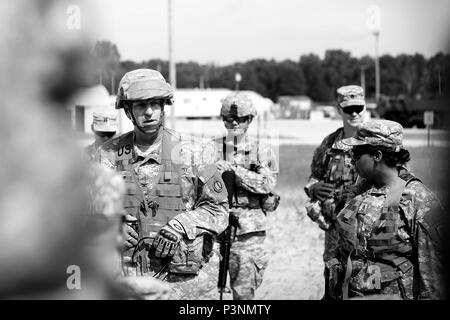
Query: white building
point(197, 103)
point(206, 103)
point(85, 102)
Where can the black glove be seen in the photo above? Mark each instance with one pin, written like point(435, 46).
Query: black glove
point(321, 190)
point(168, 239)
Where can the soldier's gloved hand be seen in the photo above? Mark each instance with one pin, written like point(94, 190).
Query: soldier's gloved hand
point(223, 166)
point(168, 239)
point(321, 190)
point(131, 236)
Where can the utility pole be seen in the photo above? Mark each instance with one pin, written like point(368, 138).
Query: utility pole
point(237, 80)
point(100, 78)
point(373, 23)
point(363, 78)
point(172, 68)
point(377, 68)
point(113, 82)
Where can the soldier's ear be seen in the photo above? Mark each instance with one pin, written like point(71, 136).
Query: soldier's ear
point(377, 155)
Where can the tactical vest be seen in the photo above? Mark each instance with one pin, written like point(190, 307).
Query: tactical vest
point(242, 197)
point(162, 202)
point(340, 172)
point(389, 253)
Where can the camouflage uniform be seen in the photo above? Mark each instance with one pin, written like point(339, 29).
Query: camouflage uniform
point(332, 163)
point(389, 237)
point(203, 211)
point(255, 176)
point(172, 180)
point(106, 238)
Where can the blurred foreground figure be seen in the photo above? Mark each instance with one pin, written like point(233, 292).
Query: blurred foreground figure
point(391, 234)
point(175, 199)
point(50, 232)
point(106, 237)
point(332, 173)
point(252, 169)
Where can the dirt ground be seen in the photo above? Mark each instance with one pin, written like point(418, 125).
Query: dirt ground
point(295, 245)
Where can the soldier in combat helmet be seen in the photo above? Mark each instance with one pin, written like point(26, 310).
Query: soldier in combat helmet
point(254, 169)
point(175, 199)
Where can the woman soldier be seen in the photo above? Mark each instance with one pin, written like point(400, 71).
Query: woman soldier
point(389, 234)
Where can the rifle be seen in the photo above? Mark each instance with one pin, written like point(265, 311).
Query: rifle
point(228, 178)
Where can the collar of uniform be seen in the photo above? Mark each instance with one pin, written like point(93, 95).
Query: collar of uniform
point(153, 152)
point(337, 144)
point(379, 191)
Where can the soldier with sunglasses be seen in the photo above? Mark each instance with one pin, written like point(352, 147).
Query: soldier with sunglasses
point(332, 173)
point(253, 169)
point(104, 127)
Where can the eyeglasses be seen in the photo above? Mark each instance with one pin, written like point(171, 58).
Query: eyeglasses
point(351, 109)
point(237, 119)
point(105, 134)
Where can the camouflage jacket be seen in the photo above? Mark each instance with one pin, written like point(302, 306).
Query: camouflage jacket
point(256, 172)
point(90, 151)
point(323, 168)
point(417, 204)
point(206, 207)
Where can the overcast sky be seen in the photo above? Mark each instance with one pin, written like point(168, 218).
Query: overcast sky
point(227, 31)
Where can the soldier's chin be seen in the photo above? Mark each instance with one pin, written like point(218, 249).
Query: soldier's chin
point(354, 122)
point(151, 128)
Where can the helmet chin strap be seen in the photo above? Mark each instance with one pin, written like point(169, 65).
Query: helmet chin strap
point(133, 119)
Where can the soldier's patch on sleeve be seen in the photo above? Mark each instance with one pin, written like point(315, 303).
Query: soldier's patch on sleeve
point(218, 186)
point(215, 188)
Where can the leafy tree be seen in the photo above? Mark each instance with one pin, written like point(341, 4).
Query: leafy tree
point(314, 74)
point(107, 59)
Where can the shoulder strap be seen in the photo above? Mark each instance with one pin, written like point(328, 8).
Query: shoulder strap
point(224, 148)
point(167, 145)
point(407, 176)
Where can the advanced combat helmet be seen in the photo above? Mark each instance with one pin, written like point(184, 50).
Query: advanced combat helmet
point(143, 84)
point(238, 105)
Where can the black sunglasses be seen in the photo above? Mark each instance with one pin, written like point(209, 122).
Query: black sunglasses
point(105, 134)
point(351, 109)
point(357, 152)
point(237, 119)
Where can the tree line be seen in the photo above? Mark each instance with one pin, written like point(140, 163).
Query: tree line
point(405, 75)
